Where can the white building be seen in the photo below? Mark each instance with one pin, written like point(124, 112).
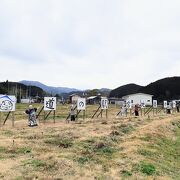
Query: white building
point(139, 98)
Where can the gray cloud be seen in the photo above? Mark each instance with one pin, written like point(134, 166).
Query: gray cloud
point(90, 43)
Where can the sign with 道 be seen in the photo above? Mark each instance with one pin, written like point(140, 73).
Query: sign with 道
point(49, 103)
point(154, 103)
point(7, 103)
point(81, 104)
point(104, 103)
point(165, 104)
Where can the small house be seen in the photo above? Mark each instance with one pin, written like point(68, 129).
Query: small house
point(139, 98)
point(93, 100)
point(116, 101)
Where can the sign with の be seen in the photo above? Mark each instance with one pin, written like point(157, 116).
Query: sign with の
point(154, 103)
point(165, 104)
point(104, 103)
point(81, 104)
point(7, 103)
point(49, 103)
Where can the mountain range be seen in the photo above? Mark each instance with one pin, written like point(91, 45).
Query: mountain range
point(49, 89)
point(163, 89)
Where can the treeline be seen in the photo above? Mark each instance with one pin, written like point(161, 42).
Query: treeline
point(21, 90)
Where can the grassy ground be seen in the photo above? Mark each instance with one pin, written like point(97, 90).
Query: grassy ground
point(113, 148)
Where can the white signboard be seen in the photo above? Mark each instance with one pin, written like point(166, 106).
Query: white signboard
point(104, 103)
point(142, 104)
point(129, 104)
point(81, 104)
point(7, 103)
point(49, 103)
point(154, 103)
point(165, 104)
point(174, 104)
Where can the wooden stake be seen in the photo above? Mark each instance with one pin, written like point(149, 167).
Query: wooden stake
point(84, 114)
point(77, 115)
point(44, 116)
point(13, 118)
point(0, 119)
point(54, 116)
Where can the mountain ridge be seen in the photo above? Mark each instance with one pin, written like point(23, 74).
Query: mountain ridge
point(163, 89)
point(49, 89)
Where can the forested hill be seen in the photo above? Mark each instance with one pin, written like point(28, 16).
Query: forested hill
point(18, 89)
point(167, 88)
point(125, 90)
point(163, 89)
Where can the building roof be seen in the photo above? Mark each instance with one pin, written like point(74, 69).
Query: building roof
point(116, 99)
point(91, 97)
point(136, 94)
point(74, 95)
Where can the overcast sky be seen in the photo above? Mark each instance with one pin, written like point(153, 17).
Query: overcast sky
point(89, 43)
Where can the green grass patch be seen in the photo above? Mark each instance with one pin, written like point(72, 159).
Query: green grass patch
point(126, 174)
point(99, 150)
point(163, 152)
point(146, 138)
point(44, 165)
point(145, 152)
point(124, 128)
point(36, 163)
point(60, 142)
point(7, 133)
point(147, 168)
point(3, 149)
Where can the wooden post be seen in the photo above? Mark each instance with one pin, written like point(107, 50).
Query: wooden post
point(144, 111)
point(141, 112)
point(130, 112)
point(0, 119)
point(54, 116)
point(44, 116)
point(153, 111)
point(77, 115)
point(96, 112)
point(13, 118)
point(106, 113)
point(101, 113)
point(84, 114)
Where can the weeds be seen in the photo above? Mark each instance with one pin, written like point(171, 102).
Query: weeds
point(60, 142)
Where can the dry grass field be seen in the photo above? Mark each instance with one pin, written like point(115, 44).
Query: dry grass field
point(147, 147)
